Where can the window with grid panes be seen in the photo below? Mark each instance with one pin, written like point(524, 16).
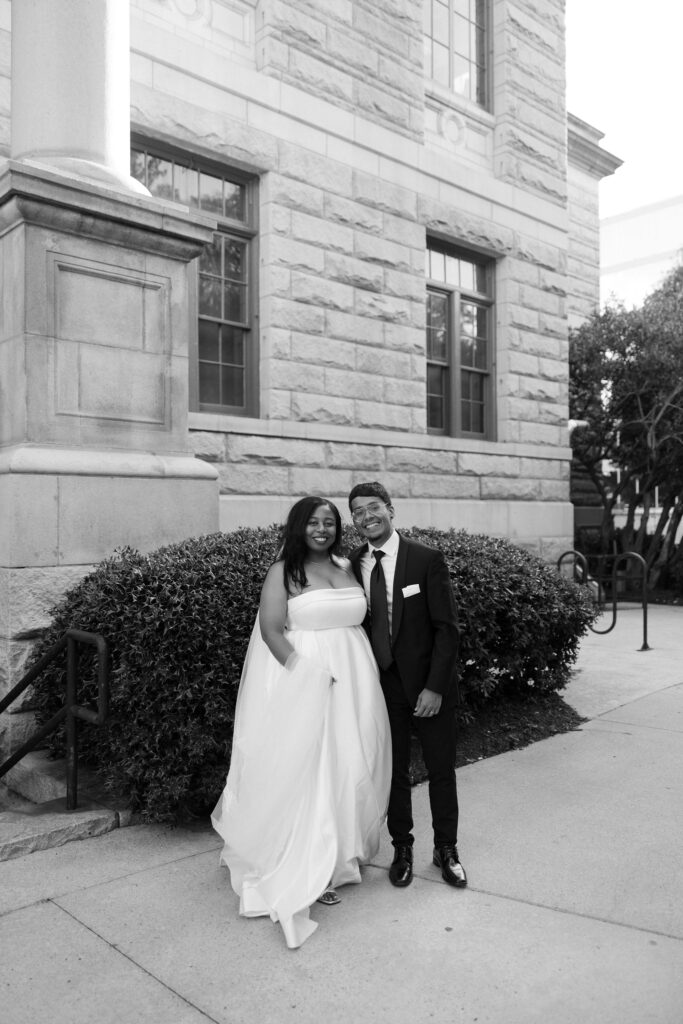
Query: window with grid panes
point(456, 46)
point(459, 343)
point(224, 361)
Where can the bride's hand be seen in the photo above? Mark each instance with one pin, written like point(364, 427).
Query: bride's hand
point(295, 659)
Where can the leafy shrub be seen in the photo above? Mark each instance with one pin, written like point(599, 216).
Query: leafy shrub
point(520, 621)
point(178, 623)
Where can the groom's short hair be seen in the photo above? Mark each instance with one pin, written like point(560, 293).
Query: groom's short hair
point(370, 489)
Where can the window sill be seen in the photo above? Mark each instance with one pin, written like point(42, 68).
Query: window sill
point(226, 424)
point(445, 99)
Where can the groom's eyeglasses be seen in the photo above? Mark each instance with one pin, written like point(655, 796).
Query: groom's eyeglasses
point(359, 514)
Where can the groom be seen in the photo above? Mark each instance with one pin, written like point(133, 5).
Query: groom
point(414, 635)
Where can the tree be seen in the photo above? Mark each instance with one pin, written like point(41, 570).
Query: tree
point(626, 382)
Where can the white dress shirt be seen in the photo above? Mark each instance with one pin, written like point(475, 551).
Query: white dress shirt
point(367, 564)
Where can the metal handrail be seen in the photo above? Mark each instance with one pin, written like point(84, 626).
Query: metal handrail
point(71, 710)
point(585, 579)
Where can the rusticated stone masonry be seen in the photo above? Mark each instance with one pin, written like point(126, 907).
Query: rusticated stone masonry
point(363, 56)
point(285, 465)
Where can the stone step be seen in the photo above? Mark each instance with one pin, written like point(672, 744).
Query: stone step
point(39, 778)
point(50, 824)
point(10, 801)
point(33, 814)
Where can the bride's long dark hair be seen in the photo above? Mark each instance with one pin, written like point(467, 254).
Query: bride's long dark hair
point(293, 550)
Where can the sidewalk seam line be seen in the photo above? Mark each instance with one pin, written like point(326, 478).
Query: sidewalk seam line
point(544, 906)
point(640, 725)
point(573, 913)
point(634, 700)
point(86, 888)
point(126, 956)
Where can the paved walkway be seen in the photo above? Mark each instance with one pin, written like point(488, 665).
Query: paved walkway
point(574, 913)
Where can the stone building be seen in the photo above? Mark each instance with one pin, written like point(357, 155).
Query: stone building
point(350, 244)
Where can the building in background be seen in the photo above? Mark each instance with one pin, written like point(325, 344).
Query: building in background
point(403, 236)
point(638, 248)
point(352, 240)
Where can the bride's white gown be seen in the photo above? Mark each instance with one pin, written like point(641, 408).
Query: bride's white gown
point(309, 777)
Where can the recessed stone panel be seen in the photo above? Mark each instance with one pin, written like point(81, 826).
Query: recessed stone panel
point(102, 305)
point(110, 383)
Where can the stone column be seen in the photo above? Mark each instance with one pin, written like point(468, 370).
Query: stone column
point(94, 328)
point(71, 87)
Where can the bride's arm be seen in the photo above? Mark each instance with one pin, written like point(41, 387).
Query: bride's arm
point(273, 614)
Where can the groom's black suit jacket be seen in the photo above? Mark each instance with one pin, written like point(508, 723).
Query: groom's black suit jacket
point(424, 630)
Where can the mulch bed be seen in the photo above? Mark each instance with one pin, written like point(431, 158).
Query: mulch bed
point(506, 724)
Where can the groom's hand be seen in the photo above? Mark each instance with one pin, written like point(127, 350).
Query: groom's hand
point(428, 704)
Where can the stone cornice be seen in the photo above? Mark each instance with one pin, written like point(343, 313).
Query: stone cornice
point(74, 462)
point(31, 193)
point(584, 151)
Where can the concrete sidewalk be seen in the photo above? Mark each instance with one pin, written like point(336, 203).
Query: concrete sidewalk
point(574, 913)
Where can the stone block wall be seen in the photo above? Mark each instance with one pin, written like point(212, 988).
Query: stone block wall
point(363, 56)
point(529, 96)
point(588, 163)
point(359, 162)
point(583, 256)
point(5, 75)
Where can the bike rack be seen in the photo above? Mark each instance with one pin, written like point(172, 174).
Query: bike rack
point(584, 579)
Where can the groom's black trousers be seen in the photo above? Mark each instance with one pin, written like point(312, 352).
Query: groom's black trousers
point(437, 737)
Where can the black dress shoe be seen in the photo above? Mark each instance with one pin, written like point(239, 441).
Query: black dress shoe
point(401, 870)
point(452, 871)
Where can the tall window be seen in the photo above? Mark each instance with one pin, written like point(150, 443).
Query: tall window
point(455, 40)
point(224, 364)
point(459, 343)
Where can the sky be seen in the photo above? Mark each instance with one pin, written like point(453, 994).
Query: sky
point(625, 77)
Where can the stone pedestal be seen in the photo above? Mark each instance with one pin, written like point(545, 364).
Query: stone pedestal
point(93, 394)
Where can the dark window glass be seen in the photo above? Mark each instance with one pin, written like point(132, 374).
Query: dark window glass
point(211, 193)
point(456, 48)
point(225, 360)
point(210, 296)
point(209, 341)
point(209, 384)
point(459, 342)
point(186, 185)
point(437, 326)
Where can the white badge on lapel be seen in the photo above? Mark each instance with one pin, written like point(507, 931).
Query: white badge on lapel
point(412, 588)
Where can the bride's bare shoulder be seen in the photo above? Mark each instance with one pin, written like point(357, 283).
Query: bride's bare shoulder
point(274, 576)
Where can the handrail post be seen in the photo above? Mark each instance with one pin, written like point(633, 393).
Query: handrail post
point(71, 725)
point(70, 710)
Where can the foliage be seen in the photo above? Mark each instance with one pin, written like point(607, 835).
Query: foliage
point(520, 621)
point(178, 623)
point(626, 381)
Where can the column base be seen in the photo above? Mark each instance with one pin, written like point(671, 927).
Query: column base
point(73, 507)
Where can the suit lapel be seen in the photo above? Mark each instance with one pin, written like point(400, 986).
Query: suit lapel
point(355, 562)
point(399, 583)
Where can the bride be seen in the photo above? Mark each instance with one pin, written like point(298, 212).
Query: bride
point(309, 777)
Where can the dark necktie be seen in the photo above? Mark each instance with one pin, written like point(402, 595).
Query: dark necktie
point(379, 613)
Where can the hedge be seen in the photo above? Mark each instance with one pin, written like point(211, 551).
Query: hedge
point(178, 623)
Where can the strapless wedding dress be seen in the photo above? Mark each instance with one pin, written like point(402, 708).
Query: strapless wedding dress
point(308, 785)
